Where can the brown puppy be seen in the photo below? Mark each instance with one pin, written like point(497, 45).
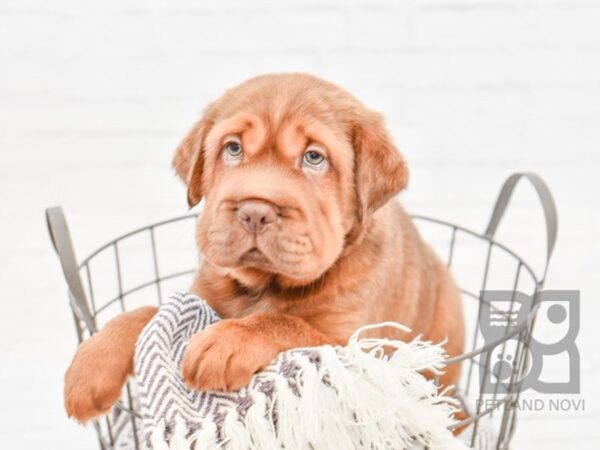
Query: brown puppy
point(302, 243)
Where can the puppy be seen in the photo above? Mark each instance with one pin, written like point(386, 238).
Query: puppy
point(301, 239)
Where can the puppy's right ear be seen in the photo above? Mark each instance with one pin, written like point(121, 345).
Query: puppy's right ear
point(188, 161)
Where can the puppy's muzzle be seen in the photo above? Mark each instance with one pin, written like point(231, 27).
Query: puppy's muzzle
point(256, 216)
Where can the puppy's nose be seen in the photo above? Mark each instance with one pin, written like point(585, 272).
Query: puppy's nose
point(256, 216)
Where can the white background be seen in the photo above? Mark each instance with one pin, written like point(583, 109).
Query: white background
point(94, 96)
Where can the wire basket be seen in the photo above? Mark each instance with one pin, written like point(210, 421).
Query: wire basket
point(111, 280)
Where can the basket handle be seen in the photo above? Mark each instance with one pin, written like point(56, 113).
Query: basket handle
point(61, 241)
point(548, 205)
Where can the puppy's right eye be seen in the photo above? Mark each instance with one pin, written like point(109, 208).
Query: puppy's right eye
point(233, 151)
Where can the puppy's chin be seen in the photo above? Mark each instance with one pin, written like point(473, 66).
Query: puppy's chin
point(254, 267)
point(256, 277)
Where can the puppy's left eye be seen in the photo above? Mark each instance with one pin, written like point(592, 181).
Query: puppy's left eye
point(314, 159)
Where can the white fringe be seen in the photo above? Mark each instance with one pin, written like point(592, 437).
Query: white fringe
point(374, 401)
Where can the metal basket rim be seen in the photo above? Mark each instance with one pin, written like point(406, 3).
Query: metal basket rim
point(481, 236)
point(449, 361)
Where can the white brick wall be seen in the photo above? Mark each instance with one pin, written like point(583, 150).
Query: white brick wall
point(94, 96)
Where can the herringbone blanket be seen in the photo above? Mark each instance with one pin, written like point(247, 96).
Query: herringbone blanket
point(310, 398)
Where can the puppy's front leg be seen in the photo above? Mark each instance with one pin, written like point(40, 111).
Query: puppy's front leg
point(225, 355)
point(101, 365)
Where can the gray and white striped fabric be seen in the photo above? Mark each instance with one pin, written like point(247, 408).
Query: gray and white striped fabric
point(163, 396)
point(281, 401)
point(162, 392)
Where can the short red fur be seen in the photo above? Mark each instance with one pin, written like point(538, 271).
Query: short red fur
point(337, 252)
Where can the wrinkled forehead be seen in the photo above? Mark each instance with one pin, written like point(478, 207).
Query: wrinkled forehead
point(279, 125)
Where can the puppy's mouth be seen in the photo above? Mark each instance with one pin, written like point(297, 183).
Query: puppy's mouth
point(286, 253)
point(254, 258)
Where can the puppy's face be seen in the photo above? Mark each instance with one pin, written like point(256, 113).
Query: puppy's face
point(290, 167)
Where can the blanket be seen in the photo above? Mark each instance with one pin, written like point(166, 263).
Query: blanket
point(327, 397)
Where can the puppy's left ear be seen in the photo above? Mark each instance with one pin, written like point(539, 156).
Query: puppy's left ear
point(380, 170)
point(188, 161)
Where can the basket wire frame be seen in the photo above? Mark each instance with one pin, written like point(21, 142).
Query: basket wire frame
point(87, 308)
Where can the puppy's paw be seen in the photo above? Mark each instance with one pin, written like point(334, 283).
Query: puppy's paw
point(225, 355)
point(93, 382)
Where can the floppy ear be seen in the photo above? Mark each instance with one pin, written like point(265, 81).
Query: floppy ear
point(188, 161)
point(380, 171)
